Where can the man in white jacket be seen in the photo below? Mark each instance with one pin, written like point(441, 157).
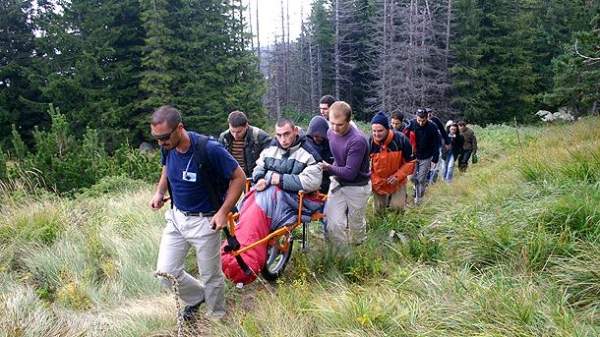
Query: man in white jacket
point(289, 162)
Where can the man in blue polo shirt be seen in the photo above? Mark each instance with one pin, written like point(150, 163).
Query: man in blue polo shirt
point(195, 218)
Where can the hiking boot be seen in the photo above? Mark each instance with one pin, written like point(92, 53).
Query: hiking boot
point(190, 311)
point(215, 317)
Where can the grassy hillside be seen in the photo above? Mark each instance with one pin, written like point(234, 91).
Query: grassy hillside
point(508, 249)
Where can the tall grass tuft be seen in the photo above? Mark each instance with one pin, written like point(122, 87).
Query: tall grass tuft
point(575, 210)
point(579, 275)
point(24, 315)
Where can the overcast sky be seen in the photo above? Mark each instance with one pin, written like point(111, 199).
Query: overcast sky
point(270, 18)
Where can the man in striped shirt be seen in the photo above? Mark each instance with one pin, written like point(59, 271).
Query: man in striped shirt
point(243, 141)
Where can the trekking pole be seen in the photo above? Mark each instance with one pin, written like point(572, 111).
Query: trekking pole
point(299, 221)
point(175, 287)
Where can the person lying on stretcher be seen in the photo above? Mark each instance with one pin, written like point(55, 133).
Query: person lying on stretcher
point(288, 165)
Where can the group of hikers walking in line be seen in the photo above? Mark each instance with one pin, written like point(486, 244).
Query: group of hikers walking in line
point(332, 156)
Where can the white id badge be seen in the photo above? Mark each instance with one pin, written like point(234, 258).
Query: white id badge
point(189, 176)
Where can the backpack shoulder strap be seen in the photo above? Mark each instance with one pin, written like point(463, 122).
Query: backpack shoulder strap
point(200, 151)
point(201, 154)
point(394, 142)
point(164, 153)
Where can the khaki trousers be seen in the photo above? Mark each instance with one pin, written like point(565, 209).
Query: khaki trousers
point(180, 234)
point(345, 213)
point(395, 201)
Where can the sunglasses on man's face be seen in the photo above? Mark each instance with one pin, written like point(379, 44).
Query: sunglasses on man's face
point(165, 137)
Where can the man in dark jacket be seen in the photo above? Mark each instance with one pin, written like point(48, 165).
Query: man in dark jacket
point(469, 147)
point(324, 103)
point(438, 123)
point(397, 121)
point(427, 142)
point(243, 141)
point(445, 140)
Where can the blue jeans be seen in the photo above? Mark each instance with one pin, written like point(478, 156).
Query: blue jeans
point(449, 167)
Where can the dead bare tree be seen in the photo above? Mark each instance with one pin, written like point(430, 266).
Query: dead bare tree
point(336, 52)
point(250, 25)
point(258, 36)
point(412, 63)
point(448, 23)
point(285, 60)
point(311, 63)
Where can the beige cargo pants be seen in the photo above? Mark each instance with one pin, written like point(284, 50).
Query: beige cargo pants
point(180, 234)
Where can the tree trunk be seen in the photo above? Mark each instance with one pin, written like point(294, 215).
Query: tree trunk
point(319, 72)
point(384, 55)
point(258, 37)
point(283, 93)
point(312, 77)
point(448, 22)
point(423, 83)
point(447, 55)
point(250, 25)
point(287, 51)
point(241, 29)
point(337, 49)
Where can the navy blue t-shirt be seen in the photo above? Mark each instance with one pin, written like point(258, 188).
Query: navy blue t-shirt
point(187, 187)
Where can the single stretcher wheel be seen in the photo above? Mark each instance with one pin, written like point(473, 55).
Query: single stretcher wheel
point(279, 252)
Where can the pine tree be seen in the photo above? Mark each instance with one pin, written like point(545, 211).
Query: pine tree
point(323, 37)
point(18, 92)
point(493, 77)
point(355, 65)
point(91, 53)
point(215, 70)
point(363, 73)
point(157, 59)
point(554, 23)
point(577, 71)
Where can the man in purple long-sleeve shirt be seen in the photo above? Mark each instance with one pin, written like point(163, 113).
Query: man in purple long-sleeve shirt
point(350, 178)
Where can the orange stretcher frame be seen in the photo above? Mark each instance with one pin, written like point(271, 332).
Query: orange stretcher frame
point(232, 219)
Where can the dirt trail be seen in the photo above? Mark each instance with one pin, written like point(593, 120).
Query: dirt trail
point(163, 307)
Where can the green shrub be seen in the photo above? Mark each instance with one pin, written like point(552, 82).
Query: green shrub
point(19, 147)
point(424, 248)
point(135, 164)
point(39, 226)
point(112, 185)
point(100, 257)
point(365, 262)
point(69, 164)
